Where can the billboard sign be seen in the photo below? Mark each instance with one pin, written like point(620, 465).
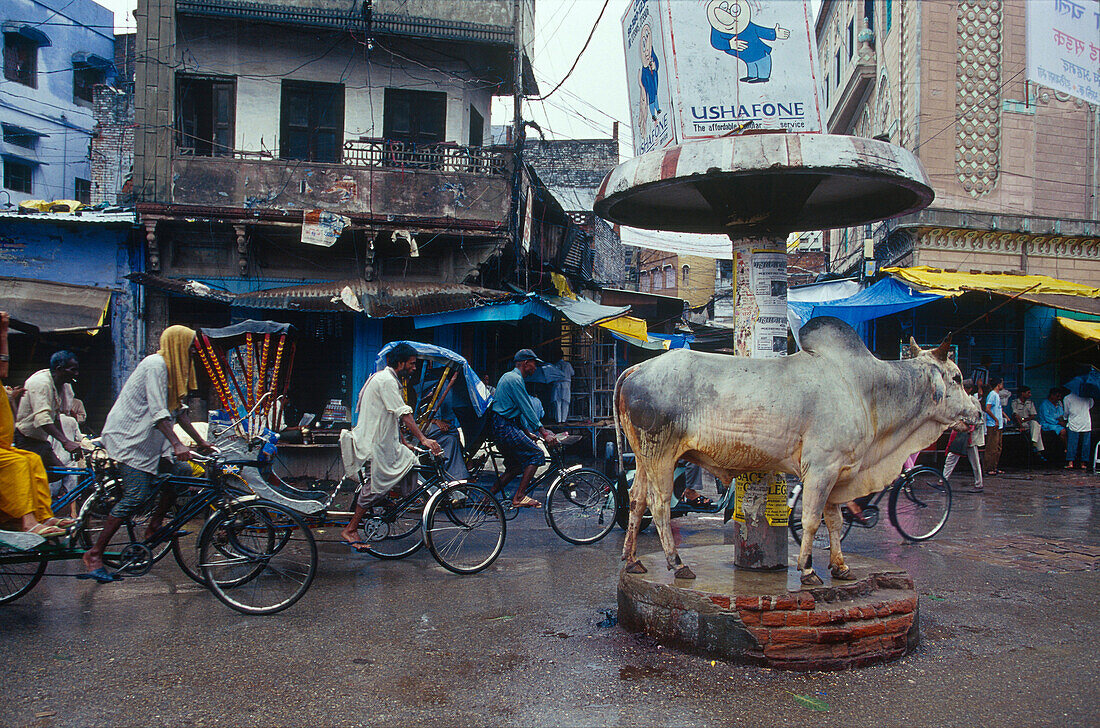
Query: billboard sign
point(698, 69)
point(1063, 46)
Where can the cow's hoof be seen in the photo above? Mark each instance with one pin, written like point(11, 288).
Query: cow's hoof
point(635, 567)
point(811, 579)
point(844, 574)
point(685, 573)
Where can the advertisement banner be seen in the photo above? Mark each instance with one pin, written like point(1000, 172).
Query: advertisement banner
point(1063, 46)
point(699, 69)
point(647, 82)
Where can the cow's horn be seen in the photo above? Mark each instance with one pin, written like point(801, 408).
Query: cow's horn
point(941, 351)
point(914, 350)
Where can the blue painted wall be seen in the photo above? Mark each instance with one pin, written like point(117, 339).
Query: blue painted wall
point(85, 254)
point(72, 27)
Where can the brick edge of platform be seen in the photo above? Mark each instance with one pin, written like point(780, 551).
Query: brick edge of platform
point(869, 621)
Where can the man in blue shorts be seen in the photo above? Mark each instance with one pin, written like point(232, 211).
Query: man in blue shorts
point(513, 419)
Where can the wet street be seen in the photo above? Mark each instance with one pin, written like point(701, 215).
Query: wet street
point(1008, 612)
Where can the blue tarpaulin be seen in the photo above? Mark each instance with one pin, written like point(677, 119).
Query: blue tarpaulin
point(581, 311)
point(881, 299)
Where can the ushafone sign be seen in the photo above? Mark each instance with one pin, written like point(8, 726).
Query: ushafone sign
point(698, 69)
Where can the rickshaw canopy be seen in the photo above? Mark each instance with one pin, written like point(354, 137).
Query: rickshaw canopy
point(476, 391)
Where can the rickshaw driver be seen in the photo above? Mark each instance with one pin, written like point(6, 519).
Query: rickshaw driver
point(513, 419)
point(138, 433)
point(375, 443)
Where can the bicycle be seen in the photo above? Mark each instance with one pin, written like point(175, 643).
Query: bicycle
point(462, 524)
point(257, 557)
point(581, 502)
point(918, 507)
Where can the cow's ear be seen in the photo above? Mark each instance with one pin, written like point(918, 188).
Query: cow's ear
point(941, 351)
point(914, 350)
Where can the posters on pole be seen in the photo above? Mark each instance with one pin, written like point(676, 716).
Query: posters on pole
point(700, 69)
point(320, 227)
point(760, 290)
point(1063, 46)
point(760, 497)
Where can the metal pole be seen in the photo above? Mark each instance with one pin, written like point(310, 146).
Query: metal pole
point(517, 133)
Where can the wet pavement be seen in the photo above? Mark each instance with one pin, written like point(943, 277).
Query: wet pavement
point(1009, 628)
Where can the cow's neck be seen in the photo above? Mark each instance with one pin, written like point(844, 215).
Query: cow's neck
point(899, 403)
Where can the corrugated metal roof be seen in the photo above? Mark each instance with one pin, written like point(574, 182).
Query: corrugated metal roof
point(85, 217)
point(378, 299)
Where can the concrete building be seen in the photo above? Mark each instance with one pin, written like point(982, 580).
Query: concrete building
point(1015, 166)
point(55, 53)
point(690, 277)
point(332, 168)
point(572, 170)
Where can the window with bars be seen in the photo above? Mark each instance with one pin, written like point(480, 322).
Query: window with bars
point(83, 190)
point(85, 79)
point(18, 177)
point(20, 59)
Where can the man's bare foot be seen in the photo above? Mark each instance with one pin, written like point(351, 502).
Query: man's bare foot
point(351, 538)
point(91, 561)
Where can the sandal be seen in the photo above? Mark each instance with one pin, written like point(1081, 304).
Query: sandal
point(46, 531)
point(527, 502)
point(700, 501)
point(60, 522)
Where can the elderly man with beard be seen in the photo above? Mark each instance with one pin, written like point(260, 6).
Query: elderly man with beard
point(375, 442)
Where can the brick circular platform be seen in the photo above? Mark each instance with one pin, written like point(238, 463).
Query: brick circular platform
point(764, 618)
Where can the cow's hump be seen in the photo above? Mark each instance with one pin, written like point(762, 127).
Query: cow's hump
point(830, 337)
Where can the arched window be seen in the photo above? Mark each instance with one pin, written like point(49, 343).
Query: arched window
point(685, 275)
point(670, 277)
point(643, 281)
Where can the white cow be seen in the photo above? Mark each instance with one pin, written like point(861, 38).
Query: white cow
point(833, 415)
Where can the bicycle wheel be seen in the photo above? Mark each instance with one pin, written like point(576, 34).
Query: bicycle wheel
point(95, 511)
point(257, 558)
point(464, 528)
point(821, 538)
point(920, 504)
point(19, 572)
point(394, 535)
point(581, 506)
point(185, 543)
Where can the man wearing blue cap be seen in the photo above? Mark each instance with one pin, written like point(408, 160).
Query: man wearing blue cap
point(513, 420)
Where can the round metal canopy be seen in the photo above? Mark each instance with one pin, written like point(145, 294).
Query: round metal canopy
point(765, 184)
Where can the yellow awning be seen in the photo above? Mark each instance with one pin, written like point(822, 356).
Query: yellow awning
point(944, 283)
point(1085, 329)
point(634, 329)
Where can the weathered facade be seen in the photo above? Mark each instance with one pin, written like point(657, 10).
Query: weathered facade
point(572, 170)
point(375, 123)
point(55, 53)
point(1015, 166)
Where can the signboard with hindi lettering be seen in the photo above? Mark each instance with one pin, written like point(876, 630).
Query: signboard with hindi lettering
point(702, 69)
point(1063, 46)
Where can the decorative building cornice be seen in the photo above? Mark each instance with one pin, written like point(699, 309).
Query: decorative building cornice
point(980, 241)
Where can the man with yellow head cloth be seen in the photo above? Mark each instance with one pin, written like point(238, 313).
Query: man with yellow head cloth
point(138, 433)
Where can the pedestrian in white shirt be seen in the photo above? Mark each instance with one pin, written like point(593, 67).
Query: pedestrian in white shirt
point(1079, 424)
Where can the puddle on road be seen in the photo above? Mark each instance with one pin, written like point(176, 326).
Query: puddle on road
point(634, 672)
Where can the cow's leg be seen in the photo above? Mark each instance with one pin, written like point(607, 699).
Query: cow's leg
point(814, 492)
point(834, 521)
point(660, 499)
point(638, 502)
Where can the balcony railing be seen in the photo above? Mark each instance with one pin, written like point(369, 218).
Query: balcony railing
point(366, 152)
point(444, 157)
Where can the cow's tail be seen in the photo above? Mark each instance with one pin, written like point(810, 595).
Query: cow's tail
point(618, 425)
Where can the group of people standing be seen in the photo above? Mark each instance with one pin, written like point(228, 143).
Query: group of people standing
point(1058, 431)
